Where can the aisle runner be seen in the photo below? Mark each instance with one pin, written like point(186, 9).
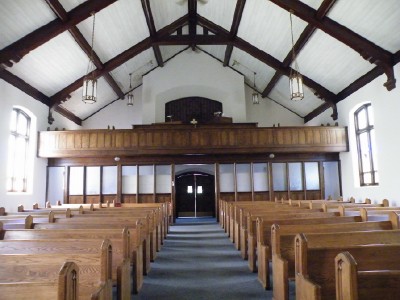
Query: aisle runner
point(198, 261)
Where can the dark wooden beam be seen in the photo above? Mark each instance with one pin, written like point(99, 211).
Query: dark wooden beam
point(192, 14)
point(368, 50)
point(17, 50)
point(237, 17)
point(119, 60)
point(352, 88)
point(319, 110)
point(24, 87)
point(69, 115)
point(269, 60)
point(359, 83)
point(300, 43)
point(192, 40)
point(59, 10)
point(108, 67)
point(34, 93)
point(152, 29)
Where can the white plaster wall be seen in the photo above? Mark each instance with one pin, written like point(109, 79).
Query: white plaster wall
point(118, 114)
point(386, 107)
point(9, 97)
point(267, 112)
point(193, 74)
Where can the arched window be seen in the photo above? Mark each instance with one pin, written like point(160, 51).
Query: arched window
point(18, 146)
point(365, 137)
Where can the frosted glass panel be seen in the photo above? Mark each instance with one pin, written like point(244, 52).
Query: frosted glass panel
point(260, 177)
point(226, 179)
point(92, 180)
point(312, 175)
point(243, 177)
point(331, 177)
point(163, 179)
point(129, 179)
point(76, 181)
point(279, 176)
point(295, 177)
point(55, 185)
point(146, 180)
point(110, 180)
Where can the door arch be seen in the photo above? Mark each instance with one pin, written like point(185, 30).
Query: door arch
point(195, 195)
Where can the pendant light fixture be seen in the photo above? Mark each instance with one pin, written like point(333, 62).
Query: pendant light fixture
point(254, 96)
point(295, 78)
point(89, 94)
point(130, 94)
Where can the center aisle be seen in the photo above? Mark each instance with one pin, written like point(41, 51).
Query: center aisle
point(198, 261)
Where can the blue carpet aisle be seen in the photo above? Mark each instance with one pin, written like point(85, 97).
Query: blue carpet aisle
point(198, 261)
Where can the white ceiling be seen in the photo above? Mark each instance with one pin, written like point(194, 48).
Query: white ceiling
point(59, 62)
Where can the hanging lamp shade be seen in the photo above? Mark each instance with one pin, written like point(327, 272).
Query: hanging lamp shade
point(255, 99)
point(89, 93)
point(130, 99)
point(295, 78)
point(254, 96)
point(130, 94)
point(296, 86)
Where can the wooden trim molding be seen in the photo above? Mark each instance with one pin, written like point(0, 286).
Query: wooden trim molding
point(189, 140)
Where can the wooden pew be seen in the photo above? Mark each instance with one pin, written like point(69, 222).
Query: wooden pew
point(66, 212)
point(315, 203)
point(335, 206)
point(137, 241)
point(378, 214)
point(358, 279)
point(248, 233)
point(94, 258)
point(283, 252)
point(23, 222)
point(165, 212)
point(49, 281)
point(356, 211)
point(315, 254)
point(141, 222)
point(264, 238)
point(122, 275)
point(151, 218)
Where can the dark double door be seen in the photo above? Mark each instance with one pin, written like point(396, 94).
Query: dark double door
point(195, 195)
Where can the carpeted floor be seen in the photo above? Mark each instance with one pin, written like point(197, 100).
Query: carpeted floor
point(198, 261)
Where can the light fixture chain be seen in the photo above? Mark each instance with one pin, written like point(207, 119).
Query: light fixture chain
point(91, 61)
point(291, 31)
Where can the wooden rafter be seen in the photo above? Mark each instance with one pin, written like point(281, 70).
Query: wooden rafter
point(34, 93)
point(353, 87)
point(69, 115)
point(59, 10)
point(17, 50)
point(119, 59)
point(300, 43)
point(192, 15)
point(368, 50)
point(267, 59)
point(152, 29)
point(237, 17)
point(23, 86)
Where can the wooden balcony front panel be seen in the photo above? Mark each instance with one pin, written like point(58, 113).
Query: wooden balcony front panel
point(185, 139)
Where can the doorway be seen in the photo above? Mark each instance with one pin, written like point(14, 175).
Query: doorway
point(195, 195)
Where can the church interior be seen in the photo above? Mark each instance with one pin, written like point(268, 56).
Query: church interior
point(126, 122)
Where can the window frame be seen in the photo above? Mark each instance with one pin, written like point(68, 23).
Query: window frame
point(358, 132)
point(13, 179)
